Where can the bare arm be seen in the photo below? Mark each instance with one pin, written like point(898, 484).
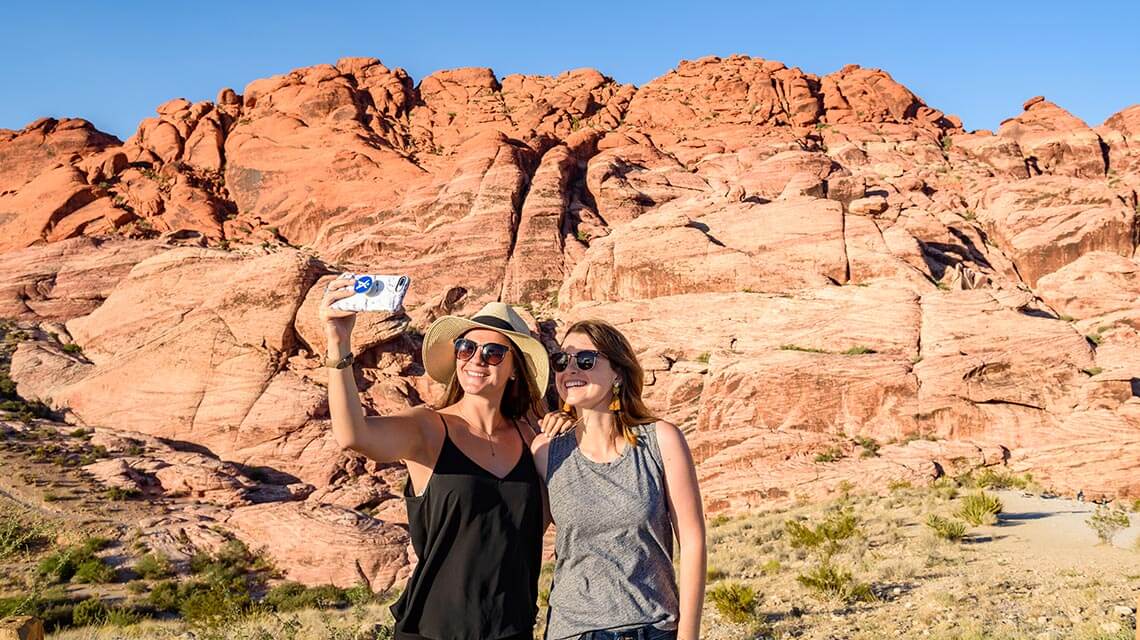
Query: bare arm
point(540, 451)
point(684, 498)
point(381, 438)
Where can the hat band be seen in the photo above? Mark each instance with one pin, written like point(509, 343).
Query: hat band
point(492, 321)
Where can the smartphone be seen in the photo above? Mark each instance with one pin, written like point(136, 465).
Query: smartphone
point(374, 293)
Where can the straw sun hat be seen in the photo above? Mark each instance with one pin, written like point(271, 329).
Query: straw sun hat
point(439, 348)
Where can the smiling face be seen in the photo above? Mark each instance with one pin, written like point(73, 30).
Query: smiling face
point(592, 389)
point(475, 375)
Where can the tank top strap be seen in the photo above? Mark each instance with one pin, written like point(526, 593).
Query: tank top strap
point(446, 459)
point(649, 435)
point(561, 446)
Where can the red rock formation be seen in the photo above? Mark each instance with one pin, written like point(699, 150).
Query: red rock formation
point(799, 261)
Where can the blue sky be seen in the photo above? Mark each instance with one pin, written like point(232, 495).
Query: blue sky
point(114, 62)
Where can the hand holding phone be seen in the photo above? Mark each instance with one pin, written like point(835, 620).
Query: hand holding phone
point(374, 293)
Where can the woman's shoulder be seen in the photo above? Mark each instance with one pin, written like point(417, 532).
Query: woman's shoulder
point(665, 436)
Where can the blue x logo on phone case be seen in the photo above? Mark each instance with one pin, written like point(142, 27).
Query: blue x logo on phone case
point(363, 284)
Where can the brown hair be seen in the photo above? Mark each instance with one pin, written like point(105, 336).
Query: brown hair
point(611, 343)
point(519, 398)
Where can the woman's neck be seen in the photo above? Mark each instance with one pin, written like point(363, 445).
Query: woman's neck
point(482, 414)
point(598, 428)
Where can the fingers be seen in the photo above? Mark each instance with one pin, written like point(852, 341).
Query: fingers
point(557, 423)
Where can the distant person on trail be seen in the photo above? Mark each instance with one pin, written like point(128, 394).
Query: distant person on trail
point(620, 484)
point(475, 500)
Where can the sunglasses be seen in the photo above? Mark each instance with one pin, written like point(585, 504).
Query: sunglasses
point(492, 353)
point(585, 360)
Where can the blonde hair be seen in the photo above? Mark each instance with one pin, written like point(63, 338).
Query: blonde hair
point(616, 348)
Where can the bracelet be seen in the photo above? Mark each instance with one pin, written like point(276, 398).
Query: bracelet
point(339, 364)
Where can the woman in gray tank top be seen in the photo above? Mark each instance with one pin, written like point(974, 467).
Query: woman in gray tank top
point(621, 483)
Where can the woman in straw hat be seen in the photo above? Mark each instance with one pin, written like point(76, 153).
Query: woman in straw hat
point(474, 497)
point(620, 484)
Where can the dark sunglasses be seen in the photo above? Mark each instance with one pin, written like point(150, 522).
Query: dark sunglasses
point(585, 359)
point(493, 354)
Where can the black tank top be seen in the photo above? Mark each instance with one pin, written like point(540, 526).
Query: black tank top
point(478, 540)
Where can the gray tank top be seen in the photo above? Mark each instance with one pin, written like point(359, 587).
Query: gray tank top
point(613, 567)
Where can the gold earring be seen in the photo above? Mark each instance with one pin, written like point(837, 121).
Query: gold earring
point(615, 404)
point(566, 408)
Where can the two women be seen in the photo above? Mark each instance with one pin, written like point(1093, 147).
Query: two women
point(474, 494)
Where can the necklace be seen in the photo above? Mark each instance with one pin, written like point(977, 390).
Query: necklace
point(490, 442)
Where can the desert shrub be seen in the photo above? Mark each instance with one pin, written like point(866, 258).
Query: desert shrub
point(291, 596)
point(57, 567)
point(154, 566)
point(93, 570)
point(77, 563)
point(899, 485)
point(214, 607)
point(119, 494)
point(360, 594)
point(18, 534)
point(164, 596)
point(833, 583)
point(945, 528)
point(869, 445)
point(90, 612)
point(719, 520)
point(771, 567)
point(989, 479)
point(826, 537)
point(830, 455)
point(53, 606)
point(122, 617)
point(734, 601)
point(980, 509)
point(945, 488)
point(1107, 522)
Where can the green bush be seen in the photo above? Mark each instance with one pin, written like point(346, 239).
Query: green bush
point(869, 445)
point(827, 536)
point(1107, 522)
point(122, 617)
point(18, 535)
point(214, 607)
point(164, 596)
point(53, 606)
point(945, 528)
point(154, 566)
point(90, 612)
point(735, 601)
point(291, 596)
point(94, 571)
point(78, 563)
point(989, 479)
point(57, 567)
point(980, 509)
point(359, 595)
point(119, 494)
point(833, 583)
point(771, 567)
point(831, 455)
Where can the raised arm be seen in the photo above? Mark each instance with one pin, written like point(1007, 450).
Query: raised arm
point(684, 497)
point(381, 438)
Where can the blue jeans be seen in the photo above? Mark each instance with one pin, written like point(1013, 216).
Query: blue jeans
point(640, 633)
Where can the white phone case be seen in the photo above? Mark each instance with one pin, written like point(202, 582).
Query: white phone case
point(374, 293)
